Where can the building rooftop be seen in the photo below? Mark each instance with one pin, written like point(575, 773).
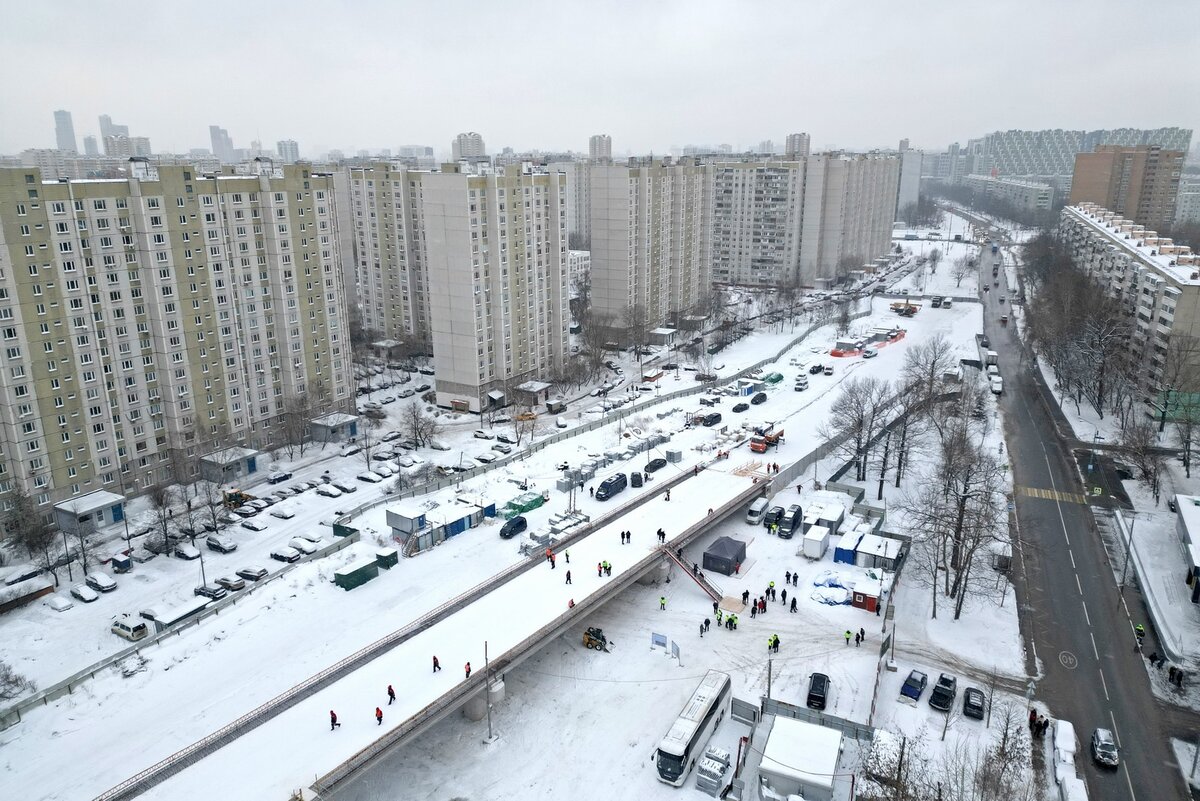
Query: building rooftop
point(92, 502)
point(1176, 262)
point(335, 419)
point(802, 751)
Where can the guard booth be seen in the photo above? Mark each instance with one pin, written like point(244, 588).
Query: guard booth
point(90, 512)
point(334, 427)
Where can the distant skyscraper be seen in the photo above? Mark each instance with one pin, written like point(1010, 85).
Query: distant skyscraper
point(126, 146)
point(289, 151)
point(600, 148)
point(64, 131)
point(108, 129)
point(903, 145)
point(766, 147)
point(797, 145)
point(467, 146)
point(90, 148)
point(222, 145)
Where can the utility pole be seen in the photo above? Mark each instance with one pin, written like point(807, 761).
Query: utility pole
point(770, 664)
point(487, 691)
point(1128, 547)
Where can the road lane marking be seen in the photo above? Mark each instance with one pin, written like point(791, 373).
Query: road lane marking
point(1087, 618)
point(1078, 586)
point(1071, 555)
point(1104, 684)
point(1095, 650)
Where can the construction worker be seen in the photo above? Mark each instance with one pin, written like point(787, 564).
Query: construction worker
point(1139, 630)
point(467, 668)
point(662, 603)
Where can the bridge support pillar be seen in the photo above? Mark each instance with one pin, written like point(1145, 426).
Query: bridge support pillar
point(475, 708)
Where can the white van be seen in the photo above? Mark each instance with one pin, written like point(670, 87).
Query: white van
point(997, 385)
point(758, 508)
point(131, 628)
point(992, 370)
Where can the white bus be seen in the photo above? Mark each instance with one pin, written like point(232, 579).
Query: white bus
point(678, 751)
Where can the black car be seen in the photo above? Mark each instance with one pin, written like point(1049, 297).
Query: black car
point(818, 691)
point(654, 465)
point(760, 397)
point(513, 527)
point(816, 369)
point(741, 407)
point(712, 419)
point(773, 515)
point(611, 486)
point(942, 697)
point(973, 702)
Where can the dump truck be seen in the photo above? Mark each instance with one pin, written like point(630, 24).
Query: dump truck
point(766, 437)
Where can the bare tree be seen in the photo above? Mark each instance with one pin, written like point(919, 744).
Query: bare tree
point(297, 415)
point(636, 327)
point(161, 497)
point(418, 425)
point(368, 437)
point(857, 416)
point(961, 268)
point(13, 684)
point(934, 257)
point(843, 316)
point(27, 529)
point(1140, 441)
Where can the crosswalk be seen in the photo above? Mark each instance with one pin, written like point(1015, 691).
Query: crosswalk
point(1053, 495)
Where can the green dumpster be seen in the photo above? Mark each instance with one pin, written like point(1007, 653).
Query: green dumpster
point(387, 558)
point(356, 573)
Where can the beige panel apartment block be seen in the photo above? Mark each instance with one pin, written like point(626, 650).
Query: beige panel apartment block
point(496, 249)
point(849, 209)
point(148, 319)
point(1140, 182)
point(756, 219)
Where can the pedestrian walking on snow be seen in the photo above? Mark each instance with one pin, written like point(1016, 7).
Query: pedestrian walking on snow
point(333, 724)
point(787, 577)
point(436, 665)
point(857, 641)
point(795, 579)
point(745, 597)
point(695, 569)
point(567, 554)
point(378, 716)
point(775, 643)
point(662, 603)
point(467, 668)
point(668, 496)
point(662, 535)
point(707, 624)
point(754, 611)
point(1032, 718)
point(847, 636)
point(784, 601)
point(793, 603)
point(716, 606)
point(701, 630)
point(607, 568)
point(719, 616)
point(863, 633)
point(568, 576)
point(391, 695)
point(599, 569)
point(551, 561)
point(592, 490)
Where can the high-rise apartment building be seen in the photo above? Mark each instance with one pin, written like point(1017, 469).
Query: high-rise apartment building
point(222, 145)
point(910, 176)
point(469, 147)
point(121, 146)
point(1140, 182)
point(1187, 203)
point(903, 145)
point(496, 249)
point(756, 222)
point(1050, 154)
point(1156, 281)
point(383, 221)
point(90, 148)
point(849, 209)
point(579, 198)
point(150, 320)
point(64, 132)
point(797, 145)
point(1027, 195)
point(650, 243)
point(600, 148)
point(289, 151)
point(107, 128)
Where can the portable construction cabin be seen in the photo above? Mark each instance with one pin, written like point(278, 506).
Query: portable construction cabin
point(799, 759)
point(724, 555)
point(847, 547)
point(816, 542)
point(830, 516)
point(356, 573)
point(747, 386)
point(334, 427)
point(868, 594)
point(878, 552)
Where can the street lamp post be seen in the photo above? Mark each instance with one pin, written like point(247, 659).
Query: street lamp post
point(1092, 461)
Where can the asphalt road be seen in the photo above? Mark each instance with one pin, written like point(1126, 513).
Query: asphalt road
point(1074, 620)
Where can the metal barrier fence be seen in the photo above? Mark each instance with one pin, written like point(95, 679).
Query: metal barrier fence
point(855, 731)
point(11, 715)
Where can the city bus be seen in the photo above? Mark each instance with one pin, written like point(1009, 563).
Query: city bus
point(684, 743)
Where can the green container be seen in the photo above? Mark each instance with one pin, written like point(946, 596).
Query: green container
point(387, 558)
point(356, 574)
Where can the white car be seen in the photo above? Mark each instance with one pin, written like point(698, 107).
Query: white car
point(282, 514)
point(481, 434)
point(439, 446)
point(259, 504)
point(406, 461)
point(84, 593)
point(285, 554)
point(101, 582)
point(253, 525)
point(391, 435)
point(329, 491)
point(351, 450)
point(486, 458)
point(502, 448)
point(370, 478)
point(383, 470)
point(302, 545)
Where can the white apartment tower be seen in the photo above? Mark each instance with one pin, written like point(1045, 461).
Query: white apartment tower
point(797, 146)
point(600, 148)
point(579, 198)
point(756, 222)
point(64, 132)
point(650, 243)
point(468, 146)
point(383, 223)
point(849, 209)
point(496, 249)
point(148, 320)
point(289, 151)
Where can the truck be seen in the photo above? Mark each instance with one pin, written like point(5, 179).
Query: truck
point(991, 357)
point(995, 247)
point(766, 437)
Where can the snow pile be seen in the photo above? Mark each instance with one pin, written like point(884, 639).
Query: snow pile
point(828, 578)
point(831, 596)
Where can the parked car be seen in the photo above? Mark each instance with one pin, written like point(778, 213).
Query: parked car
point(481, 434)
point(186, 551)
point(828, 369)
point(245, 511)
point(283, 494)
point(329, 491)
point(1104, 748)
point(252, 573)
point(773, 515)
point(437, 445)
point(370, 478)
point(423, 387)
point(654, 465)
point(383, 471)
point(210, 591)
point(502, 448)
point(942, 697)
point(84, 593)
point(973, 703)
point(741, 407)
point(870, 353)
point(486, 457)
point(513, 527)
point(259, 503)
point(343, 485)
point(101, 582)
point(611, 486)
point(388, 399)
point(914, 685)
point(383, 456)
point(801, 384)
point(230, 583)
point(254, 525)
point(216, 542)
point(285, 554)
point(816, 369)
point(391, 435)
point(282, 514)
point(712, 419)
point(818, 691)
point(759, 397)
point(351, 450)
point(505, 438)
point(303, 545)
point(278, 477)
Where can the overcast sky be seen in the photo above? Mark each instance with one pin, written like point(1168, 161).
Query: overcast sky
point(654, 74)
